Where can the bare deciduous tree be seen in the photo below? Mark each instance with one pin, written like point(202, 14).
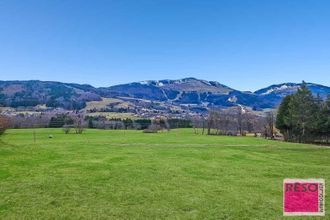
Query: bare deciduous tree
point(233, 121)
point(78, 119)
point(198, 122)
point(4, 124)
point(67, 128)
point(270, 125)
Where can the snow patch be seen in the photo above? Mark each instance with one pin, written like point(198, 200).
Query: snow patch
point(278, 89)
point(205, 104)
point(144, 83)
point(232, 99)
point(243, 110)
point(206, 82)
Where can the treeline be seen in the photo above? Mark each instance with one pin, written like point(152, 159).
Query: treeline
point(304, 118)
point(69, 119)
point(137, 124)
point(101, 122)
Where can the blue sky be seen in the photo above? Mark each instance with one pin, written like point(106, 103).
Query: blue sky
point(245, 44)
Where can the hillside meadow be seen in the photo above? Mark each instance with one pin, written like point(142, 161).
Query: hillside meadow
point(103, 174)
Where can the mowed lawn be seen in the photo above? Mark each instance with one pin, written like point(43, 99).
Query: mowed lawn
point(132, 175)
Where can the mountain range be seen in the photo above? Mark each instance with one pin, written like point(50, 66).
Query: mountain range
point(191, 93)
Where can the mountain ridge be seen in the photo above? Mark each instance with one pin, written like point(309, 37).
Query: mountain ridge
point(189, 91)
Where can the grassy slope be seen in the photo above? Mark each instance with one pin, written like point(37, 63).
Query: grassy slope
point(129, 174)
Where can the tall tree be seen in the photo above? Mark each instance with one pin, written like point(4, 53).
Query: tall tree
point(284, 118)
point(304, 115)
point(323, 123)
point(299, 116)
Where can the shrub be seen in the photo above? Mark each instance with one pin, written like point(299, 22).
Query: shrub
point(79, 129)
point(67, 128)
point(153, 128)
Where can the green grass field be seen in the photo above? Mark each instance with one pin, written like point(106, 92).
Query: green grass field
point(132, 175)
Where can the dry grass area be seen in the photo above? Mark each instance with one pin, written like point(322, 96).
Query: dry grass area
point(101, 104)
point(110, 115)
